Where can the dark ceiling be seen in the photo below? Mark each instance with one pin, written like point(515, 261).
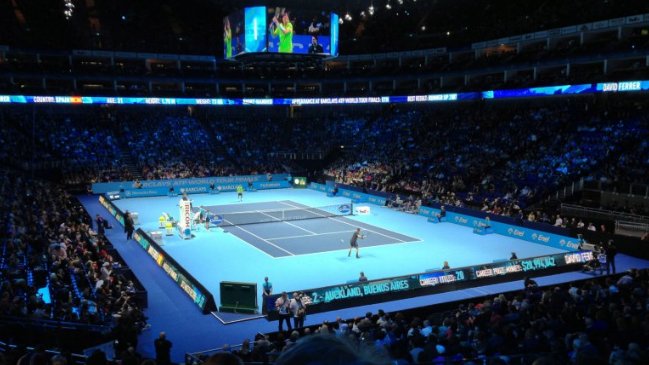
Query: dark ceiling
point(194, 26)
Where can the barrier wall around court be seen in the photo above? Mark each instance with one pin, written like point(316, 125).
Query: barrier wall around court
point(539, 233)
point(192, 185)
point(197, 189)
point(194, 289)
point(436, 281)
point(355, 196)
point(516, 231)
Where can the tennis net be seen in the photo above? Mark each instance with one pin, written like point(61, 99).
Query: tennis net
point(294, 214)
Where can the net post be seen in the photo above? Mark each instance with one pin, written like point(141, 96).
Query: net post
point(351, 207)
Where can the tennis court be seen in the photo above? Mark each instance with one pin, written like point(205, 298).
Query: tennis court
point(286, 228)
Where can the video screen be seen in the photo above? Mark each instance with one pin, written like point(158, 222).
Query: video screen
point(280, 29)
point(293, 30)
point(233, 34)
point(255, 29)
point(334, 34)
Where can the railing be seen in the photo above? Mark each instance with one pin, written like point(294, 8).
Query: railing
point(78, 359)
point(631, 229)
point(316, 155)
point(601, 214)
point(54, 324)
point(570, 190)
point(197, 358)
point(641, 190)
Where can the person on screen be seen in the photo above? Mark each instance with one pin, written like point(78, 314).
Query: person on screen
point(237, 40)
point(315, 47)
point(314, 27)
point(284, 30)
point(353, 242)
point(227, 37)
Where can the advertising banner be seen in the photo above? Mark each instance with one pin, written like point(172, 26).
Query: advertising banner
point(337, 296)
point(524, 233)
point(356, 196)
point(191, 185)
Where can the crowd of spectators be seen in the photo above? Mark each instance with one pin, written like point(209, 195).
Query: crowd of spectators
point(55, 266)
point(167, 146)
point(81, 146)
point(99, 145)
point(598, 321)
point(497, 160)
point(262, 144)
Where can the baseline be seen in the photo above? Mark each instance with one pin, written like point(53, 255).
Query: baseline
point(349, 224)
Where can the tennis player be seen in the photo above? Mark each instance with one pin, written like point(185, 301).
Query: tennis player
point(284, 29)
point(227, 37)
point(353, 242)
point(240, 192)
point(207, 221)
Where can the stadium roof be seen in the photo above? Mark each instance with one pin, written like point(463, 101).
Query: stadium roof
point(194, 26)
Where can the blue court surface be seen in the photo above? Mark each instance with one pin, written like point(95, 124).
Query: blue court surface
point(296, 229)
point(217, 255)
point(302, 254)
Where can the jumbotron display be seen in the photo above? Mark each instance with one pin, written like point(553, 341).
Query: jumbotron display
point(280, 30)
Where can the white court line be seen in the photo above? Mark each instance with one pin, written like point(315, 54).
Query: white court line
point(270, 243)
point(338, 220)
point(246, 211)
point(289, 223)
point(307, 235)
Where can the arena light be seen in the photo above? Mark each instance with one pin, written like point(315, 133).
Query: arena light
point(388, 6)
point(348, 17)
point(370, 10)
point(68, 9)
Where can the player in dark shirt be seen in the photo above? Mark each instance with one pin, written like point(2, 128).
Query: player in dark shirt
point(353, 242)
point(441, 214)
point(315, 47)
